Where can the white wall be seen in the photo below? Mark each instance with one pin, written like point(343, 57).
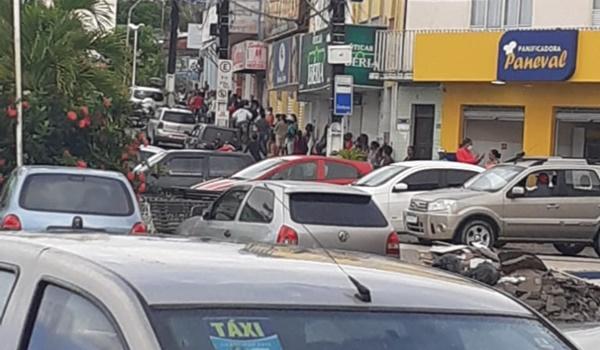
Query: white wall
point(365, 119)
point(438, 14)
point(562, 13)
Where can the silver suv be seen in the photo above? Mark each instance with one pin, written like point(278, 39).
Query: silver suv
point(536, 200)
point(170, 125)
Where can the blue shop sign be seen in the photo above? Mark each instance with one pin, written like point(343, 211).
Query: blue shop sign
point(537, 55)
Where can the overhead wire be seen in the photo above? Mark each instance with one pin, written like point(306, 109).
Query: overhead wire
point(282, 18)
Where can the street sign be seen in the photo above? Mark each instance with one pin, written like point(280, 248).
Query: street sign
point(194, 39)
point(339, 54)
point(343, 95)
point(224, 85)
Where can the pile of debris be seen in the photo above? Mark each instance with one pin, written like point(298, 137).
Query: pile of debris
point(558, 296)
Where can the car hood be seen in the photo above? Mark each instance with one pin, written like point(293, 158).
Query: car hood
point(453, 194)
point(216, 185)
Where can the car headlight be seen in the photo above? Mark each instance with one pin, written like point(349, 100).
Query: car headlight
point(441, 205)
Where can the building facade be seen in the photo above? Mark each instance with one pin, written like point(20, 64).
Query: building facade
point(510, 74)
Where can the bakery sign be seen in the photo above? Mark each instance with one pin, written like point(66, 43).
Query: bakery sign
point(250, 55)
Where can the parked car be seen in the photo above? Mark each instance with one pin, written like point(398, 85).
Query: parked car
point(183, 168)
point(292, 212)
point(108, 292)
point(586, 336)
point(140, 93)
point(205, 136)
point(169, 125)
point(296, 168)
point(62, 199)
point(393, 186)
point(148, 151)
point(538, 200)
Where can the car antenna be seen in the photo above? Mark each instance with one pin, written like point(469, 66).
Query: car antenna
point(363, 293)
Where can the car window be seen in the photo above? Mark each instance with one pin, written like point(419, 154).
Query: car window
point(187, 165)
point(225, 166)
point(424, 180)
point(457, 178)
point(329, 209)
point(541, 184)
point(300, 172)
point(7, 282)
point(71, 193)
point(257, 170)
point(227, 206)
point(259, 206)
point(179, 118)
point(335, 170)
point(68, 321)
point(380, 176)
point(494, 179)
point(582, 183)
point(142, 94)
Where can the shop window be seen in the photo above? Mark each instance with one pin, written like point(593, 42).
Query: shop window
point(501, 13)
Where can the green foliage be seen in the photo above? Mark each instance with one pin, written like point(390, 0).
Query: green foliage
point(65, 68)
point(352, 154)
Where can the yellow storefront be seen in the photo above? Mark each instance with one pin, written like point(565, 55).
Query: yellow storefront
point(552, 116)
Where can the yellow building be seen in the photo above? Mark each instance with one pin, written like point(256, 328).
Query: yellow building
point(536, 91)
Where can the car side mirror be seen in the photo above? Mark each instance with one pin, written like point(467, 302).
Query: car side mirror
point(517, 192)
point(400, 187)
point(206, 214)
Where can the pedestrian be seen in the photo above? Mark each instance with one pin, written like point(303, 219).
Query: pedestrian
point(321, 146)
point(442, 155)
point(374, 154)
point(292, 133)
point(362, 143)
point(272, 149)
point(410, 153)
point(309, 136)
point(241, 120)
point(386, 156)
point(493, 159)
point(270, 117)
point(280, 131)
point(196, 103)
point(263, 130)
point(300, 146)
point(465, 153)
point(254, 148)
point(348, 144)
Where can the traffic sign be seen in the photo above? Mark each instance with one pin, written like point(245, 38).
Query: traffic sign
point(224, 80)
point(343, 95)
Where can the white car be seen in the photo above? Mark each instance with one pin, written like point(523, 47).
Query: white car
point(393, 186)
point(140, 93)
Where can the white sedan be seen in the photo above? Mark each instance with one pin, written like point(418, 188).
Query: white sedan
point(393, 186)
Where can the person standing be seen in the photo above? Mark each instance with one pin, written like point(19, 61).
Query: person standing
point(263, 130)
point(386, 157)
point(410, 153)
point(309, 137)
point(254, 149)
point(280, 131)
point(493, 159)
point(300, 147)
point(373, 156)
point(465, 153)
point(272, 149)
point(348, 143)
point(270, 117)
point(292, 133)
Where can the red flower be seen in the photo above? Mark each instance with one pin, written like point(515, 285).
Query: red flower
point(142, 188)
point(142, 177)
point(88, 121)
point(85, 111)
point(72, 116)
point(82, 124)
point(81, 164)
point(131, 176)
point(11, 112)
point(25, 105)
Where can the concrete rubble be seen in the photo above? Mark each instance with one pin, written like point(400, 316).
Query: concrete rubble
point(558, 296)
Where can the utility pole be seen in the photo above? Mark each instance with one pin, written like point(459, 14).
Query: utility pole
point(223, 29)
point(172, 62)
point(337, 33)
point(18, 80)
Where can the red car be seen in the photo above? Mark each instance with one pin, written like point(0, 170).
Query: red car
point(300, 168)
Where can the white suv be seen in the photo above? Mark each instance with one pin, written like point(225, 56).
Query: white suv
point(393, 186)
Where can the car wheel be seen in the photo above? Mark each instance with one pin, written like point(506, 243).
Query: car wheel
point(569, 249)
point(478, 232)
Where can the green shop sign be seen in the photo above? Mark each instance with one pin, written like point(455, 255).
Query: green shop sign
point(362, 39)
point(315, 73)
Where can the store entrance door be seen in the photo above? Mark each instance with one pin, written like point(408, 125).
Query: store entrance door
point(499, 128)
point(578, 133)
point(423, 117)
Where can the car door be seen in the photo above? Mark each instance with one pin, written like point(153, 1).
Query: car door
point(416, 182)
point(220, 222)
point(579, 204)
point(298, 171)
point(256, 222)
point(339, 173)
point(182, 170)
point(536, 214)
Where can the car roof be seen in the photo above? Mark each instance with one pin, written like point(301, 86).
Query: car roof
point(438, 164)
point(146, 88)
point(50, 169)
point(310, 187)
point(176, 271)
point(302, 157)
point(171, 109)
point(204, 151)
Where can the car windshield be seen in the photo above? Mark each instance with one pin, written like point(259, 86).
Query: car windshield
point(335, 209)
point(494, 179)
point(142, 94)
point(380, 176)
point(179, 118)
point(182, 329)
point(255, 171)
point(77, 194)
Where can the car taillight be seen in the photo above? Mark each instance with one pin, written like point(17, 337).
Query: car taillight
point(11, 223)
point(392, 247)
point(139, 229)
point(287, 235)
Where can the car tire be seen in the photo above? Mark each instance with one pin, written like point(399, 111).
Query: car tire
point(569, 249)
point(477, 231)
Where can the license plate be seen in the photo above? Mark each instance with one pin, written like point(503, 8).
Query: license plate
point(411, 219)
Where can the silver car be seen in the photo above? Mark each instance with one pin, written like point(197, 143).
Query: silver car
point(64, 199)
point(293, 212)
point(100, 292)
point(170, 125)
